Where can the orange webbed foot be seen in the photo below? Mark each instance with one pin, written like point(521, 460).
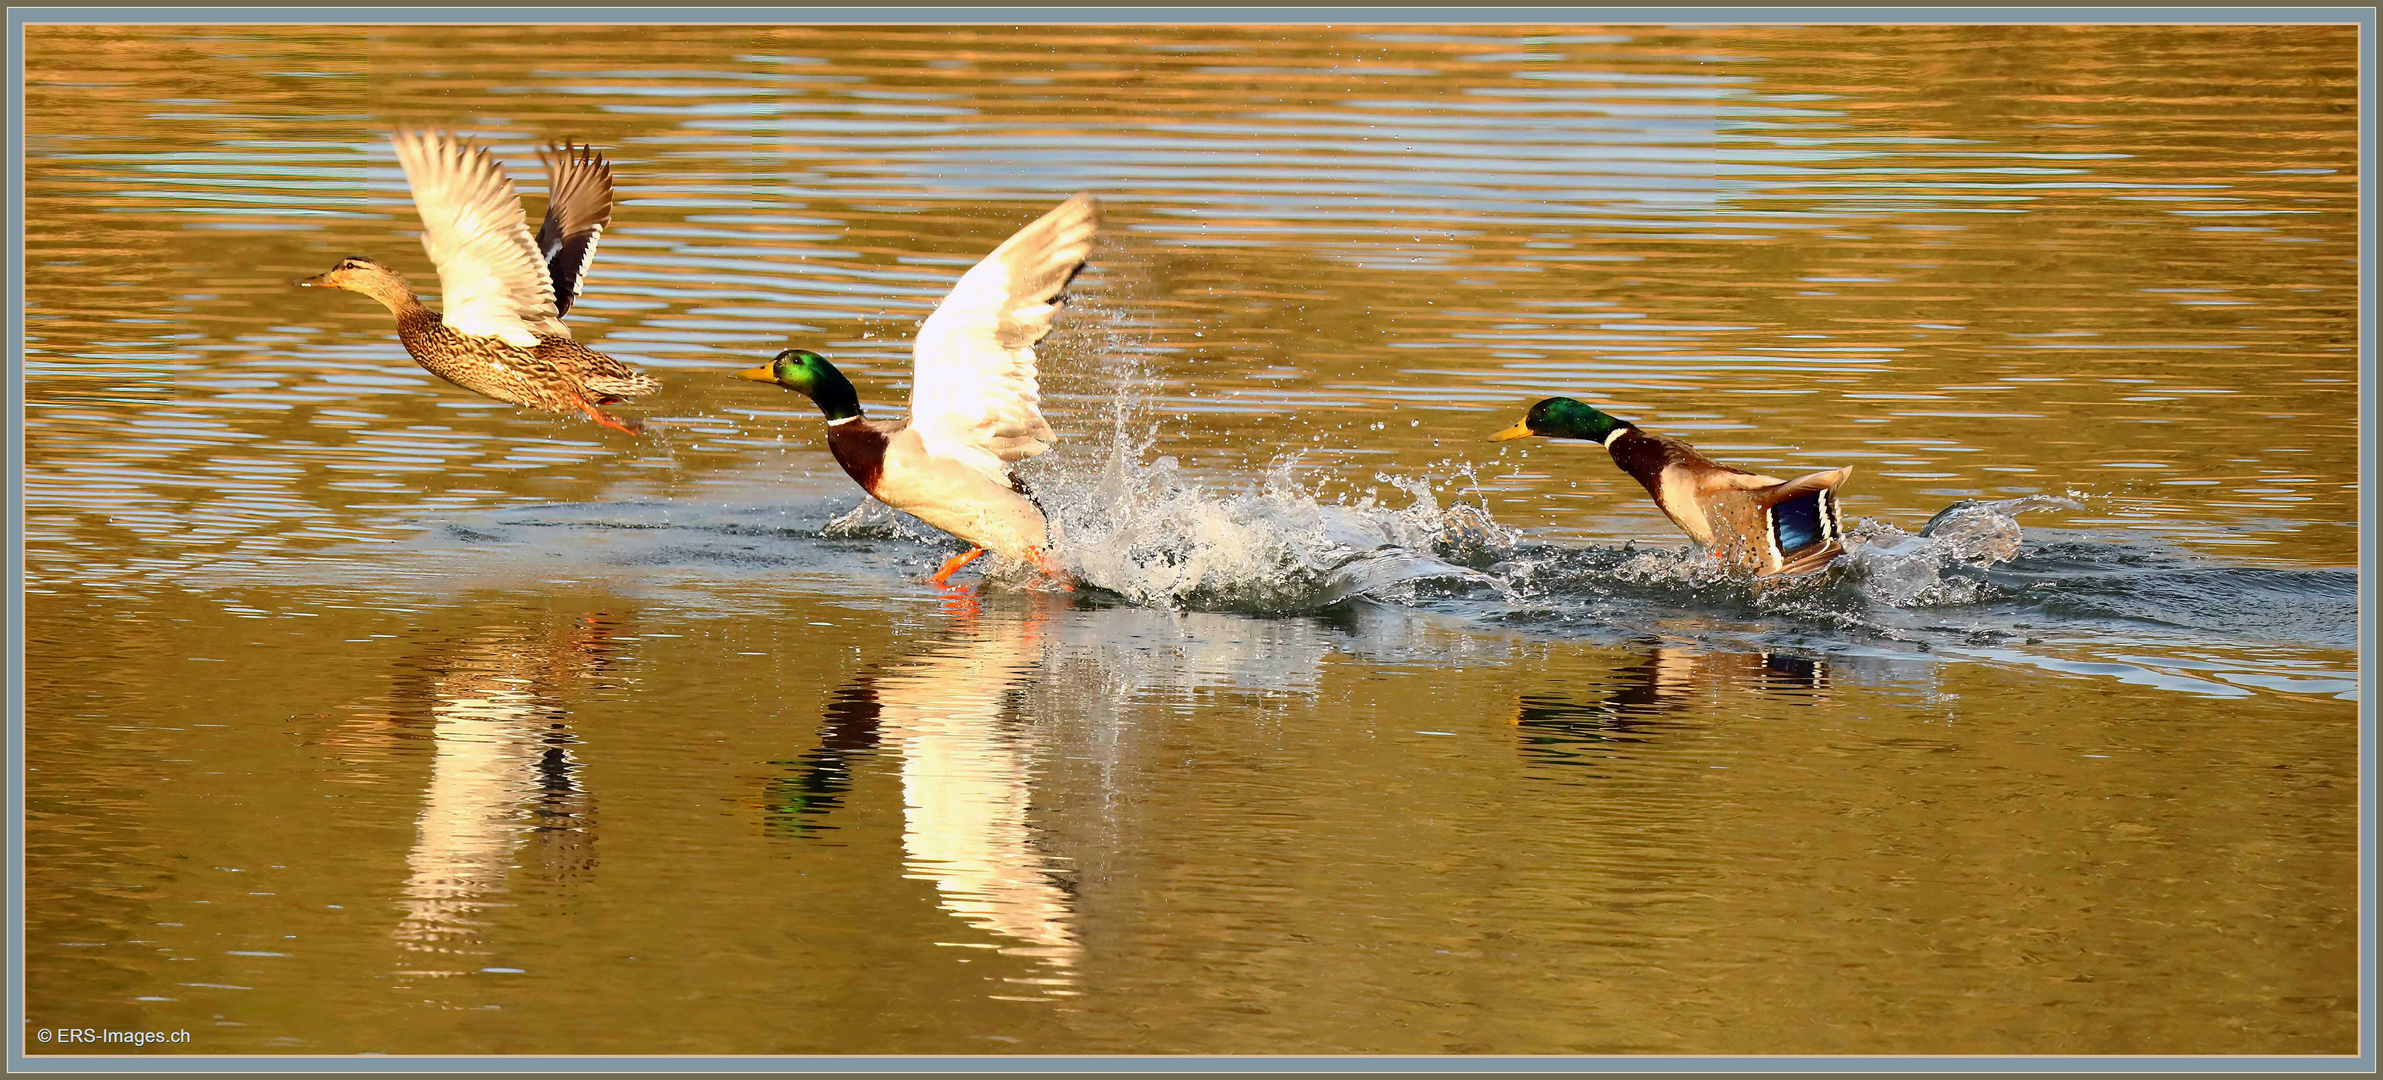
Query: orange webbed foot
point(1044, 563)
point(952, 565)
point(629, 427)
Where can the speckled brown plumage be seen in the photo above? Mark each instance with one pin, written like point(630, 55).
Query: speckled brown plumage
point(546, 377)
point(501, 334)
point(557, 375)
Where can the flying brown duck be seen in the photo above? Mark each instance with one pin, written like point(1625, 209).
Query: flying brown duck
point(505, 293)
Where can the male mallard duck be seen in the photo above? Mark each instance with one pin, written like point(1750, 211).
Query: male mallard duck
point(502, 333)
point(973, 397)
point(1757, 523)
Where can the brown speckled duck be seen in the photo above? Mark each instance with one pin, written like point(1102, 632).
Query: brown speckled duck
point(1759, 524)
point(505, 293)
point(975, 408)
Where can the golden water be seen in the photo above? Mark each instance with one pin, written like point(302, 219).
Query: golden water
point(366, 715)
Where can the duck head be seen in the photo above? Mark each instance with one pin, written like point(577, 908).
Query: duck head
point(1563, 418)
point(809, 374)
point(351, 273)
point(365, 276)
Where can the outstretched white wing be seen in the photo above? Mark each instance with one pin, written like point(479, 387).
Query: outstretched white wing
point(973, 394)
point(492, 281)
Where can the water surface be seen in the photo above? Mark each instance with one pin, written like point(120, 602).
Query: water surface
point(367, 715)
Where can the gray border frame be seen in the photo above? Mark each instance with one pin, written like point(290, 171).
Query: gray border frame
point(2363, 17)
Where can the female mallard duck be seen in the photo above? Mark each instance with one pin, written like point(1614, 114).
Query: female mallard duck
point(502, 333)
point(974, 403)
point(1760, 524)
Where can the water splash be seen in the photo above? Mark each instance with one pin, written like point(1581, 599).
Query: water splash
point(1130, 521)
point(1889, 586)
point(873, 520)
point(1140, 528)
point(1938, 567)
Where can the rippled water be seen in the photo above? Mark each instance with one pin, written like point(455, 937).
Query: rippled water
point(367, 715)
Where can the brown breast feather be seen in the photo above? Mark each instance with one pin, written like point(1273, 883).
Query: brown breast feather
point(859, 446)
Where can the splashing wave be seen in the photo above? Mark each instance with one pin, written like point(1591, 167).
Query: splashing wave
point(1141, 529)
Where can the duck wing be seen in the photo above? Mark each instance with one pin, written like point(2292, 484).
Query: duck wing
point(1824, 480)
point(492, 282)
point(578, 207)
point(973, 396)
point(1721, 479)
point(1806, 527)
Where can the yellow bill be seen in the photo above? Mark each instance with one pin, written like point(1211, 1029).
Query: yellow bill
point(1520, 430)
point(759, 374)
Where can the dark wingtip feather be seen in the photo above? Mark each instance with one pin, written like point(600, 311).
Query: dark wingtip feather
point(579, 198)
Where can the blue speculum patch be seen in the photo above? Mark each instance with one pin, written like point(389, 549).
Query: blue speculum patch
point(1797, 523)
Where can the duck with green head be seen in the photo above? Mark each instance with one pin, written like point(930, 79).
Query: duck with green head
point(1759, 524)
point(975, 406)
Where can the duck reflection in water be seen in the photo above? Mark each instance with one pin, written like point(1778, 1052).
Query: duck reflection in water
point(953, 714)
point(501, 774)
point(1634, 702)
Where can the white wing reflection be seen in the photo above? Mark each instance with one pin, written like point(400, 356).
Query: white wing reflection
point(501, 773)
point(487, 749)
point(967, 776)
point(982, 716)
